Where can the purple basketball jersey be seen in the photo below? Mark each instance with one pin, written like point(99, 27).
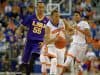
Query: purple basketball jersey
point(36, 27)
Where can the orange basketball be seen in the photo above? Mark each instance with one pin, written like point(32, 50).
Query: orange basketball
point(60, 42)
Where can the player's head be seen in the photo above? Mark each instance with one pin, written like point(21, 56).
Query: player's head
point(55, 16)
point(40, 7)
point(77, 16)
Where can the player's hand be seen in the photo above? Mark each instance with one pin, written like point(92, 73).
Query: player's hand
point(75, 27)
point(41, 44)
point(44, 50)
point(18, 32)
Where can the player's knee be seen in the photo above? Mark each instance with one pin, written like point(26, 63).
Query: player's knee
point(53, 68)
point(54, 61)
point(42, 58)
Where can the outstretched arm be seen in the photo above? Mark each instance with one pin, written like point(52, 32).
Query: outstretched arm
point(69, 29)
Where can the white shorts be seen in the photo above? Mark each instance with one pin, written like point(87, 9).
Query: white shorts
point(58, 53)
point(78, 51)
point(44, 59)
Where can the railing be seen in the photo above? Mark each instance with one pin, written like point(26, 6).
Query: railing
point(63, 6)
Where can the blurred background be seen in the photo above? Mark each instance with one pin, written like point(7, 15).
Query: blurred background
point(13, 11)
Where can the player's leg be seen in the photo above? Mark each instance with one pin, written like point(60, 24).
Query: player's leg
point(44, 60)
point(70, 57)
point(43, 64)
point(81, 57)
point(60, 60)
point(34, 56)
point(53, 67)
point(81, 52)
point(25, 57)
point(53, 55)
point(44, 69)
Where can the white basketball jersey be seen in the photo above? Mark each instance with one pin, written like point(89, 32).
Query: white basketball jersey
point(79, 37)
point(54, 30)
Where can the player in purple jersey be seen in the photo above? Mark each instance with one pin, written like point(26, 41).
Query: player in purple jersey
point(36, 24)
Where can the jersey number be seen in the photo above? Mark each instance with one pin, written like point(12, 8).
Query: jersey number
point(37, 30)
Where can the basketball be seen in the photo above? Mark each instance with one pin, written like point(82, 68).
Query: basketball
point(60, 42)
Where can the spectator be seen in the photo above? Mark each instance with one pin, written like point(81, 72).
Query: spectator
point(8, 10)
point(3, 46)
point(6, 62)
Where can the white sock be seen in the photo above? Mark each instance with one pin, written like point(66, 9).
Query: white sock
point(43, 68)
point(68, 61)
point(53, 67)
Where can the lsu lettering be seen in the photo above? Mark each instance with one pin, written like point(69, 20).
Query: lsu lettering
point(37, 27)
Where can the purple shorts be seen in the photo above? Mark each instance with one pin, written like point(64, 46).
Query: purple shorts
point(32, 46)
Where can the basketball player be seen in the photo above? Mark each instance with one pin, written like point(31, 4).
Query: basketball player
point(36, 24)
point(55, 28)
point(78, 46)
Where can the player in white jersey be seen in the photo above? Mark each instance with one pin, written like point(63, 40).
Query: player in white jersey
point(55, 28)
point(78, 46)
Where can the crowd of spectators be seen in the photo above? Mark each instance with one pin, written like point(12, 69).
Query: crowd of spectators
point(12, 41)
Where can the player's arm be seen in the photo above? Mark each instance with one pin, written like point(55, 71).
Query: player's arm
point(47, 34)
point(84, 28)
point(87, 34)
point(25, 23)
point(86, 31)
point(20, 29)
point(48, 40)
point(66, 24)
point(68, 28)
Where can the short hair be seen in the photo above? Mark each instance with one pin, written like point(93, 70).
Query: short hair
point(40, 2)
point(78, 12)
point(54, 11)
